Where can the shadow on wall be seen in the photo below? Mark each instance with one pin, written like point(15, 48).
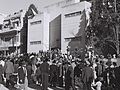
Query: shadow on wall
point(77, 44)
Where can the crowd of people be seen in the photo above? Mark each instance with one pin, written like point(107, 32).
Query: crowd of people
point(53, 69)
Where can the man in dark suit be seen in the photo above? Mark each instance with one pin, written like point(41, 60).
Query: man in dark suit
point(53, 74)
point(22, 73)
point(45, 73)
point(69, 77)
point(29, 72)
point(87, 77)
point(1, 74)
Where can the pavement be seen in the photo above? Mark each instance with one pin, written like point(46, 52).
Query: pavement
point(31, 87)
point(37, 87)
point(2, 87)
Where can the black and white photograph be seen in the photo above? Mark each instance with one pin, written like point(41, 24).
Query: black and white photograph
point(59, 44)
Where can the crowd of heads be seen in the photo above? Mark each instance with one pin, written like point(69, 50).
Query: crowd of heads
point(66, 60)
point(55, 56)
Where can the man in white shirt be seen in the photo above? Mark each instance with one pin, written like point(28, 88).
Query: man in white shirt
point(2, 62)
point(98, 84)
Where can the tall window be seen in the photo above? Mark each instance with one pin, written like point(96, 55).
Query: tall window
point(15, 24)
point(73, 14)
point(6, 23)
point(68, 0)
point(35, 42)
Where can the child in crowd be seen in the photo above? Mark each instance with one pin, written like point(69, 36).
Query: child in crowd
point(98, 84)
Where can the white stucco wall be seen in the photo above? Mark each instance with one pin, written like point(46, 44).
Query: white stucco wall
point(70, 25)
point(35, 33)
point(46, 32)
point(2, 16)
point(54, 24)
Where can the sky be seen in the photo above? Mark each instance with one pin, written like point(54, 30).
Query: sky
point(11, 6)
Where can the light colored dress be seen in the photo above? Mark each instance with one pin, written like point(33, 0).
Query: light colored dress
point(98, 85)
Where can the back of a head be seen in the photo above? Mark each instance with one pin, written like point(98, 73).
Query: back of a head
point(54, 61)
point(101, 62)
point(114, 63)
point(45, 60)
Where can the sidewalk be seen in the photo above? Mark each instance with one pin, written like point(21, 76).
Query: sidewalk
point(2, 87)
point(37, 87)
point(33, 87)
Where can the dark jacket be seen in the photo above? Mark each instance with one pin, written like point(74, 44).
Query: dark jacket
point(44, 67)
point(87, 75)
point(53, 69)
point(21, 75)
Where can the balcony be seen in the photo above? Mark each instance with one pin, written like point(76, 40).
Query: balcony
point(3, 48)
point(9, 44)
point(8, 31)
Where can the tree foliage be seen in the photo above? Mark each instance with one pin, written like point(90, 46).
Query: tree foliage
point(101, 32)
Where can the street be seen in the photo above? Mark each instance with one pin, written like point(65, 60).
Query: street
point(32, 87)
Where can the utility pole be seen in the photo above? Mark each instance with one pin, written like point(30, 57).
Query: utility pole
point(16, 43)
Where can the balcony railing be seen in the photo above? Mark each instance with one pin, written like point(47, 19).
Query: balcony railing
point(9, 44)
point(11, 29)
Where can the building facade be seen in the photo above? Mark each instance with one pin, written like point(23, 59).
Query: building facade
point(10, 33)
point(61, 25)
point(38, 33)
point(73, 27)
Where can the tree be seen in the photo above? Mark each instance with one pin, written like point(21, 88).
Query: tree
point(102, 31)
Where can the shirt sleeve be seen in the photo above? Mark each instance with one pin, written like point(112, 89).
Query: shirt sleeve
point(98, 84)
